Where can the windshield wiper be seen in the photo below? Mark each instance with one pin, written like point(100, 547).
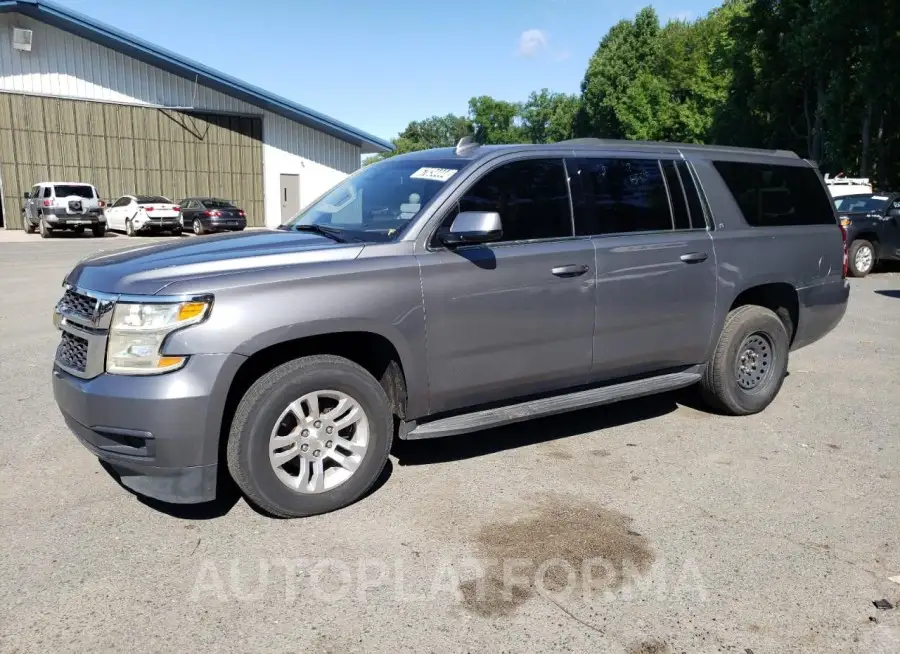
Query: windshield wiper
point(333, 233)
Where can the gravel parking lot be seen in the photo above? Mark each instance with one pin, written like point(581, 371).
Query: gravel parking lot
point(647, 527)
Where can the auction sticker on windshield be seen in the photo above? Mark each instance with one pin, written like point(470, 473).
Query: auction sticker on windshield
point(436, 174)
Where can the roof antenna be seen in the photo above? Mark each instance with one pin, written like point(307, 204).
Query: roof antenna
point(466, 144)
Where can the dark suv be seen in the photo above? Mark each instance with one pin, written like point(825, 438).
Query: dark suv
point(444, 292)
point(872, 221)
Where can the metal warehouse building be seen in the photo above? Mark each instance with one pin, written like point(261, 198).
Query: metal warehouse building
point(83, 101)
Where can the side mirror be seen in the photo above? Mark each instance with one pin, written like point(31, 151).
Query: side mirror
point(27, 195)
point(472, 227)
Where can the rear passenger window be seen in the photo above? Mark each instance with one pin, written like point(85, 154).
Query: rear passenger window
point(530, 196)
point(695, 205)
point(618, 196)
point(676, 193)
point(777, 196)
point(46, 191)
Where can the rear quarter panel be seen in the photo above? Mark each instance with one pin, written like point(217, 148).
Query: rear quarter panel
point(809, 258)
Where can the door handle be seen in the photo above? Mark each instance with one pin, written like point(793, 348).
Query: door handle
point(694, 257)
point(572, 270)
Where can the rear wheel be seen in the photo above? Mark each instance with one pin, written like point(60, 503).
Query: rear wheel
point(198, 227)
point(311, 436)
point(99, 230)
point(862, 258)
point(749, 364)
point(46, 232)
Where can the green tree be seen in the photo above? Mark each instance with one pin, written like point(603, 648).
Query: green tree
point(496, 121)
point(549, 117)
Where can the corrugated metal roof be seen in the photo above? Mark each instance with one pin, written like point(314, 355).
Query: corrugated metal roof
point(132, 46)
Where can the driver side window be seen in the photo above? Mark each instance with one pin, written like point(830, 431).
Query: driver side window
point(531, 196)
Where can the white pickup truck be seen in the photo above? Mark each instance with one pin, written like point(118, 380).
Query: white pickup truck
point(840, 186)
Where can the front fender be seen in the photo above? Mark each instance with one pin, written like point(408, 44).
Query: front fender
point(379, 295)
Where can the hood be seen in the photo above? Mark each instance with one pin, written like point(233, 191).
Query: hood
point(148, 269)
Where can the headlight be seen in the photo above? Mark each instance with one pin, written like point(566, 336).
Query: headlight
point(845, 222)
point(137, 333)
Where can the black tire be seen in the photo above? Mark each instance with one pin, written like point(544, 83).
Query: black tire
point(744, 330)
point(855, 247)
point(129, 228)
point(46, 232)
point(99, 230)
point(198, 227)
point(261, 406)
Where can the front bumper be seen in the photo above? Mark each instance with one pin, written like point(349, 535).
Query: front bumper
point(160, 434)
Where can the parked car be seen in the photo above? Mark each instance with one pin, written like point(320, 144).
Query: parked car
point(872, 221)
point(204, 215)
point(548, 278)
point(52, 206)
point(134, 214)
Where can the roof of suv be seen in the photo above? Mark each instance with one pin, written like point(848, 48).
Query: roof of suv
point(473, 151)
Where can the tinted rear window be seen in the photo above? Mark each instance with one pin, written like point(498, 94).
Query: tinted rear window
point(218, 204)
point(777, 196)
point(152, 199)
point(80, 190)
point(618, 196)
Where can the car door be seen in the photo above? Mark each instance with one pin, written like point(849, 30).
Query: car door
point(116, 217)
point(187, 211)
point(513, 317)
point(31, 204)
point(891, 229)
point(655, 268)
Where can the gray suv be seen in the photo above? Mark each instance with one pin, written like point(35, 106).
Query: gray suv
point(439, 293)
point(53, 206)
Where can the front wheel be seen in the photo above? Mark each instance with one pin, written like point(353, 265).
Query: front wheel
point(862, 258)
point(310, 436)
point(749, 363)
point(129, 228)
point(27, 226)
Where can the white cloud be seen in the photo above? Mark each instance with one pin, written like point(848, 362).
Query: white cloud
point(532, 43)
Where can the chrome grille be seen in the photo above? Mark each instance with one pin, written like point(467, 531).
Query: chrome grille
point(74, 303)
point(72, 352)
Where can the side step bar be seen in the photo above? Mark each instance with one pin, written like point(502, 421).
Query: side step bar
point(549, 406)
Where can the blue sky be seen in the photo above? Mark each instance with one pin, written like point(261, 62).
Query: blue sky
point(378, 65)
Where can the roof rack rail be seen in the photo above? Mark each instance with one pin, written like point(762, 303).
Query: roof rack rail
point(466, 145)
point(678, 146)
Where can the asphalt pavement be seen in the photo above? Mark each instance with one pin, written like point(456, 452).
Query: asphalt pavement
point(649, 527)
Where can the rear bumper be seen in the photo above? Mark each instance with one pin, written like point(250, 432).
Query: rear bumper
point(62, 218)
point(222, 224)
point(160, 225)
point(160, 433)
point(821, 309)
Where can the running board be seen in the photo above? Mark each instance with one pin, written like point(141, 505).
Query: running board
point(549, 406)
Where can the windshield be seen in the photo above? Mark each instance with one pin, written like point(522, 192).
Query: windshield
point(81, 190)
point(861, 203)
point(152, 199)
point(379, 201)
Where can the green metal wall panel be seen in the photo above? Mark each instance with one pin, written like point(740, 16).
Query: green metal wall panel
point(125, 149)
